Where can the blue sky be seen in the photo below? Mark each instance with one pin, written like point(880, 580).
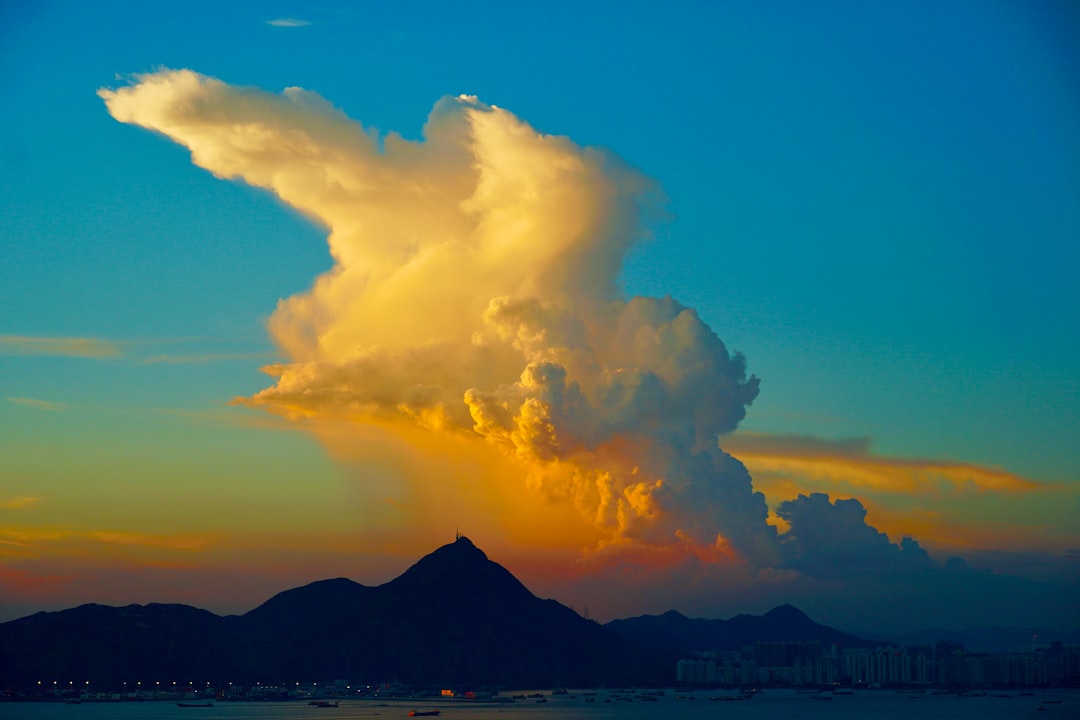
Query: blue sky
point(878, 204)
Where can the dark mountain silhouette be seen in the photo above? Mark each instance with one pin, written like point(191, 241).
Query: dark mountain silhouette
point(675, 632)
point(96, 642)
point(454, 617)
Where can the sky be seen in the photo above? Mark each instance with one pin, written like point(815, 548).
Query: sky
point(710, 306)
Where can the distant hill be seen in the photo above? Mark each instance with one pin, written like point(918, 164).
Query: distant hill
point(677, 633)
point(96, 642)
point(453, 618)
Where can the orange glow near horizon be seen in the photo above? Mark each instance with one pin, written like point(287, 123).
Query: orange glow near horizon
point(466, 358)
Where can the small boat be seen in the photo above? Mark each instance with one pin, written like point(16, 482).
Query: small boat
point(205, 704)
point(323, 703)
point(424, 713)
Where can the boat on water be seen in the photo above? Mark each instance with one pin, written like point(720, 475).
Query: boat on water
point(424, 713)
point(204, 704)
point(323, 703)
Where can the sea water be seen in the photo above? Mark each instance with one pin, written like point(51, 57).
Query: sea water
point(769, 704)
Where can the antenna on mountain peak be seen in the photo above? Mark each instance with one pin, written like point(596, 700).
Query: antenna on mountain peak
point(457, 534)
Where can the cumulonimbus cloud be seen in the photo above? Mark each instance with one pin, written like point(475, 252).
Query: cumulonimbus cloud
point(474, 302)
point(474, 293)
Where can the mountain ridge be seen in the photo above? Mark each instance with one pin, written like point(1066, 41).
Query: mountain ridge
point(453, 616)
point(674, 632)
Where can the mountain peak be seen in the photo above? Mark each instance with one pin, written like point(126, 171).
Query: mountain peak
point(461, 553)
point(788, 613)
point(465, 545)
point(459, 567)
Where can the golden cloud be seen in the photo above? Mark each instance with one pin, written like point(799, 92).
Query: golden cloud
point(473, 310)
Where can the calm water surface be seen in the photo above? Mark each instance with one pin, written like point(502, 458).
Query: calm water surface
point(787, 704)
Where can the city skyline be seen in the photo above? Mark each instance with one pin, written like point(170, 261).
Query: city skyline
point(708, 308)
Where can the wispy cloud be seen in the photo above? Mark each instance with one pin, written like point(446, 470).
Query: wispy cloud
point(53, 541)
point(18, 502)
point(852, 463)
point(22, 543)
point(40, 404)
point(58, 346)
point(204, 358)
point(288, 22)
point(164, 542)
point(233, 417)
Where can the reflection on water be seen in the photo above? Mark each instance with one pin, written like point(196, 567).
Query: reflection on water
point(787, 704)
